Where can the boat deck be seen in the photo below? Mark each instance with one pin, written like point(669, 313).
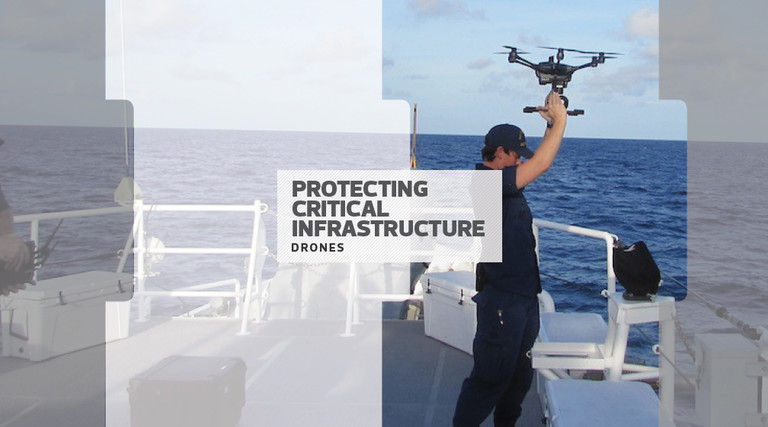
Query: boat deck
point(298, 373)
point(422, 378)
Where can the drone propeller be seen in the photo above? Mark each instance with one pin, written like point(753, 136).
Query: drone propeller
point(513, 49)
point(586, 52)
point(604, 56)
point(600, 53)
point(513, 55)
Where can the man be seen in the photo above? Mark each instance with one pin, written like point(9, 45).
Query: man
point(507, 305)
point(13, 252)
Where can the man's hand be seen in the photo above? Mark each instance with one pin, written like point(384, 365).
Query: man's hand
point(554, 110)
point(555, 114)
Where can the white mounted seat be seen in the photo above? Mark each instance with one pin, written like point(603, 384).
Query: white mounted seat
point(572, 327)
point(579, 403)
point(570, 402)
point(563, 346)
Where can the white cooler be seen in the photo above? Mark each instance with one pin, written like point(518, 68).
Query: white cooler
point(63, 314)
point(449, 312)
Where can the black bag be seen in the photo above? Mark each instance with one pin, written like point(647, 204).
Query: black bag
point(636, 270)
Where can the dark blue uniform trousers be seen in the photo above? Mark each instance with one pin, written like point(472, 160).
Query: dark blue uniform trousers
point(507, 326)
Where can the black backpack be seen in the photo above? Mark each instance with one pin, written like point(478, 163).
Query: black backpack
point(636, 270)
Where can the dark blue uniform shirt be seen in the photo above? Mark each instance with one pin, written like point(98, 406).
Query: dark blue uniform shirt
point(518, 272)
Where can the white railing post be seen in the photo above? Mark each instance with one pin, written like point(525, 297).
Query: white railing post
point(667, 316)
point(251, 281)
point(611, 275)
point(34, 231)
point(34, 235)
point(351, 300)
point(763, 344)
point(139, 261)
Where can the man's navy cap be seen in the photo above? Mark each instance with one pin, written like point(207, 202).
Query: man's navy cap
point(508, 136)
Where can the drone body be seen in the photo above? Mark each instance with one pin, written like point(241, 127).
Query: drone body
point(554, 72)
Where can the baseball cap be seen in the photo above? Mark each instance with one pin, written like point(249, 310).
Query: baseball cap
point(508, 136)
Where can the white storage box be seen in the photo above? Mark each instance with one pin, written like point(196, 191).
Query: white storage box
point(450, 315)
point(724, 393)
point(117, 319)
point(61, 315)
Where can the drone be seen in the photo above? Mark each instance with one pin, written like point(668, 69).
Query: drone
point(554, 72)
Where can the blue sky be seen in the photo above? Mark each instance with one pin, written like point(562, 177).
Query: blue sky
point(293, 65)
point(439, 54)
point(353, 65)
point(275, 65)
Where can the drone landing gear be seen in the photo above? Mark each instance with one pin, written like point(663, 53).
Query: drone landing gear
point(535, 109)
point(565, 102)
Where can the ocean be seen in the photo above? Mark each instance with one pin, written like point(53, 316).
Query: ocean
point(52, 169)
point(701, 207)
point(701, 212)
point(635, 189)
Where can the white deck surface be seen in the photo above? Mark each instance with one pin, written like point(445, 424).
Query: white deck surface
point(298, 373)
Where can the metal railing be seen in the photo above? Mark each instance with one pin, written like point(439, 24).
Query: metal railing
point(136, 244)
point(608, 238)
point(662, 313)
point(243, 297)
point(35, 219)
point(354, 295)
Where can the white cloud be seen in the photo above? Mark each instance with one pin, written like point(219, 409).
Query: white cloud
point(479, 64)
point(643, 24)
point(341, 44)
point(444, 8)
point(63, 27)
point(511, 83)
point(651, 51)
point(264, 65)
point(529, 41)
point(629, 81)
point(175, 19)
